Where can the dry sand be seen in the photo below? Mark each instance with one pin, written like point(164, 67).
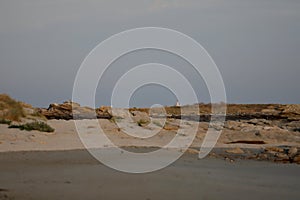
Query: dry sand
point(66, 137)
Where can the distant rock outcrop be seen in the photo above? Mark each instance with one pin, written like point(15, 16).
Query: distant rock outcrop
point(70, 110)
point(254, 113)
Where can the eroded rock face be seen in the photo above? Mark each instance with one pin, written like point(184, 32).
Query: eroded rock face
point(282, 154)
point(58, 111)
point(70, 110)
point(292, 112)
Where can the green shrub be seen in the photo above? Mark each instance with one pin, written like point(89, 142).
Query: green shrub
point(141, 122)
point(39, 126)
point(5, 121)
point(15, 126)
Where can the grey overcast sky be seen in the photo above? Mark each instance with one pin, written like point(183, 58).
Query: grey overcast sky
point(255, 44)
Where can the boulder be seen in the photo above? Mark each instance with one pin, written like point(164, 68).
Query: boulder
point(235, 151)
point(232, 125)
point(274, 150)
point(58, 111)
point(282, 157)
point(293, 151)
point(297, 159)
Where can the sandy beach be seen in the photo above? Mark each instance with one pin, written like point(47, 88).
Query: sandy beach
point(38, 165)
point(47, 154)
point(66, 136)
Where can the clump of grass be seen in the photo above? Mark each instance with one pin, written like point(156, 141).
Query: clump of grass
point(37, 114)
point(13, 109)
point(5, 121)
point(39, 126)
point(142, 122)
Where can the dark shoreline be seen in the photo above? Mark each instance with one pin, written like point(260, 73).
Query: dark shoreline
point(76, 174)
point(251, 154)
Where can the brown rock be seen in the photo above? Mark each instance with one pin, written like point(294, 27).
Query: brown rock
point(297, 159)
point(170, 127)
point(263, 156)
point(292, 112)
point(293, 151)
point(58, 111)
point(235, 151)
point(274, 150)
point(269, 111)
point(104, 112)
point(282, 157)
point(70, 110)
point(232, 125)
point(294, 108)
point(192, 151)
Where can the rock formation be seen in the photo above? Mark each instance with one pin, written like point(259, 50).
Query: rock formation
point(70, 110)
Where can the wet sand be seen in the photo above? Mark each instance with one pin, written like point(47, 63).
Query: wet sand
point(76, 174)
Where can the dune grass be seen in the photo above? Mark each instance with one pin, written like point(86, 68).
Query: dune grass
point(39, 126)
point(5, 121)
point(11, 109)
point(142, 122)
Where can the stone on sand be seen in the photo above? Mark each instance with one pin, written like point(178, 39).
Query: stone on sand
point(235, 151)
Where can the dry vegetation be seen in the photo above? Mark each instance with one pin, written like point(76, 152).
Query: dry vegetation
point(39, 126)
point(10, 109)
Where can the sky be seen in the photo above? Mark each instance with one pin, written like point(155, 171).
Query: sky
point(254, 43)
